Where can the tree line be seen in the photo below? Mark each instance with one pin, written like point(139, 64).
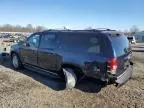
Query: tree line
point(19, 28)
point(30, 28)
point(132, 31)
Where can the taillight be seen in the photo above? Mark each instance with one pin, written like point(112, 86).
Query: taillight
point(112, 65)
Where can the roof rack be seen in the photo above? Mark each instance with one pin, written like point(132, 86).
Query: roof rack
point(105, 29)
point(68, 30)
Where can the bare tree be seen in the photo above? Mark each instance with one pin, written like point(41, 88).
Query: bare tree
point(39, 28)
point(7, 27)
point(134, 29)
point(126, 32)
point(30, 28)
point(18, 28)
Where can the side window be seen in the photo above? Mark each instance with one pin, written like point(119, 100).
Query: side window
point(33, 40)
point(94, 45)
point(48, 41)
point(80, 42)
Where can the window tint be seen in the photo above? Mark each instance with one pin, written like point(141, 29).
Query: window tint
point(120, 45)
point(80, 42)
point(48, 41)
point(33, 40)
point(94, 45)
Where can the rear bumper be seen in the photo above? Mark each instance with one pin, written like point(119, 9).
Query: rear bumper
point(123, 78)
point(110, 78)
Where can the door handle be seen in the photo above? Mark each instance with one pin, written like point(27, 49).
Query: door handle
point(51, 53)
point(51, 49)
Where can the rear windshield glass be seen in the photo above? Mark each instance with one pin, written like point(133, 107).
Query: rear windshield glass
point(80, 42)
point(120, 45)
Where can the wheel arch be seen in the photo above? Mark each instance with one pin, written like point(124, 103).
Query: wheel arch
point(77, 69)
point(20, 65)
point(13, 52)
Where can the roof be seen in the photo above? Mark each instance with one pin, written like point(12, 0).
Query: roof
point(89, 31)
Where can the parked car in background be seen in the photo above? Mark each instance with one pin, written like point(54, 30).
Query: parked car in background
point(75, 54)
point(132, 39)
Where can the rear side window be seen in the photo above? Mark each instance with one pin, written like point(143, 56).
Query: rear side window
point(48, 41)
point(120, 45)
point(94, 45)
point(79, 42)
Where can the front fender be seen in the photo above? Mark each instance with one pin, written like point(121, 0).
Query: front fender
point(15, 49)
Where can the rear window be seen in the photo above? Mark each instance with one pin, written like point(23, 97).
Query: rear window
point(80, 42)
point(120, 45)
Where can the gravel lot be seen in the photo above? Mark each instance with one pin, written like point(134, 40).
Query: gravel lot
point(26, 89)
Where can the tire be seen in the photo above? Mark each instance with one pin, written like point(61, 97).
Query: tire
point(16, 62)
point(70, 78)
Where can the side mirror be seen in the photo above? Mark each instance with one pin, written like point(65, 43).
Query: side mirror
point(27, 44)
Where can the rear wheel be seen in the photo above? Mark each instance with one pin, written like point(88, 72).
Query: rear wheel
point(16, 63)
point(70, 77)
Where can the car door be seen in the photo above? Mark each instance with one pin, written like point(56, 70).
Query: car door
point(48, 57)
point(29, 51)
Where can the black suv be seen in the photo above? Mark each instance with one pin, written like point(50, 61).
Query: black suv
point(74, 54)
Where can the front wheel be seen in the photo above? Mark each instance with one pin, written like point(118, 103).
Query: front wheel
point(16, 63)
point(70, 78)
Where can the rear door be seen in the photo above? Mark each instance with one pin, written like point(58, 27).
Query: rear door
point(122, 51)
point(47, 54)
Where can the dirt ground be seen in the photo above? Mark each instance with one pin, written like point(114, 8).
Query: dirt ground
point(26, 89)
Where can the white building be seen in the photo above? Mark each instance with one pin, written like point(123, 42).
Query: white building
point(140, 36)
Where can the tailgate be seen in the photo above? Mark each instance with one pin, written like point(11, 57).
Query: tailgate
point(123, 63)
point(122, 52)
point(125, 76)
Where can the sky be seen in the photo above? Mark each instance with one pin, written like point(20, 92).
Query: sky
point(73, 14)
